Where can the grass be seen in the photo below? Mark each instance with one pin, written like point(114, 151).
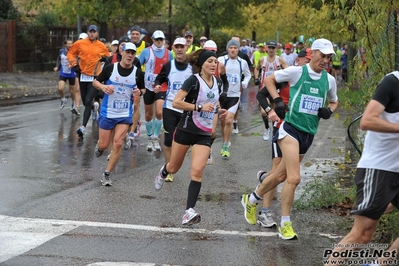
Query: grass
point(3, 85)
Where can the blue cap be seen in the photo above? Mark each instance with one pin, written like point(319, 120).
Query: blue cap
point(92, 27)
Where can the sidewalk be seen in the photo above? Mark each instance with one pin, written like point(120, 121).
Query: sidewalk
point(26, 87)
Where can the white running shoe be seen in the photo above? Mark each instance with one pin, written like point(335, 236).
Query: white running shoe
point(266, 219)
point(150, 145)
point(127, 143)
point(266, 134)
point(210, 159)
point(155, 144)
point(191, 217)
point(106, 180)
point(94, 112)
point(63, 103)
point(159, 180)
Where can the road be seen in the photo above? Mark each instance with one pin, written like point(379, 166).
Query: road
point(54, 210)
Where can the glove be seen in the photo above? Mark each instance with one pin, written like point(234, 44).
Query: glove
point(222, 98)
point(103, 59)
point(257, 82)
point(325, 112)
point(279, 107)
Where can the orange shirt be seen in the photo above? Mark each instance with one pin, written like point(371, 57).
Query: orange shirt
point(89, 54)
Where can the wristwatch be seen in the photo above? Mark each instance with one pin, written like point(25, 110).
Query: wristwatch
point(268, 109)
point(199, 108)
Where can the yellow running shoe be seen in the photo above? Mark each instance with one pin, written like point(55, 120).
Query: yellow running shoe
point(286, 232)
point(249, 209)
point(169, 178)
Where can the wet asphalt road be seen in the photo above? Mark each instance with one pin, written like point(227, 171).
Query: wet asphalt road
point(54, 210)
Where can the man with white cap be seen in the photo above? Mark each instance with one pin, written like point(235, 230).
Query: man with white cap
point(120, 82)
point(154, 57)
point(235, 67)
point(172, 76)
point(311, 87)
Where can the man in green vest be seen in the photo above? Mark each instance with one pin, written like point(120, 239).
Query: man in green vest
point(336, 63)
point(188, 35)
point(312, 95)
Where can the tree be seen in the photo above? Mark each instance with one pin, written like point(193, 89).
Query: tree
point(8, 11)
point(209, 14)
point(103, 13)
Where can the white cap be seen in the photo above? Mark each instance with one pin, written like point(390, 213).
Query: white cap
point(158, 34)
point(129, 46)
point(115, 42)
point(210, 45)
point(83, 35)
point(323, 45)
point(180, 40)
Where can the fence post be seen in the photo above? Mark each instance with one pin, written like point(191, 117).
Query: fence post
point(11, 45)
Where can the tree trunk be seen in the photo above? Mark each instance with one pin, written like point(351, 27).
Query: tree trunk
point(103, 30)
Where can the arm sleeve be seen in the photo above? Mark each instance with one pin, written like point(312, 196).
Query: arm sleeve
point(385, 90)
point(107, 61)
point(140, 79)
point(143, 56)
point(261, 96)
point(163, 75)
point(225, 82)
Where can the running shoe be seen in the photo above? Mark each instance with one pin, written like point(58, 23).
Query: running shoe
point(155, 144)
point(150, 145)
point(210, 159)
point(94, 112)
point(261, 175)
point(225, 151)
point(81, 131)
point(159, 180)
point(98, 152)
point(169, 178)
point(106, 180)
point(137, 131)
point(249, 209)
point(286, 232)
point(265, 219)
point(63, 103)
point(235, 128)
point(266, 134)
point(127, 142)
point(131, 136)
point(76, 111)
point(72, 106)
point(191, 217)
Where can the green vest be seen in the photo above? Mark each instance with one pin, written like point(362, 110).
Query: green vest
point(336, 59)
point(306, 97)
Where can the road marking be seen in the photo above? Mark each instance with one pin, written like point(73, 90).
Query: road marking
point(19, 235)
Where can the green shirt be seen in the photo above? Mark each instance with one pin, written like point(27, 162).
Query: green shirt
point(306, 97)
point(258, 55)
point(336, 59)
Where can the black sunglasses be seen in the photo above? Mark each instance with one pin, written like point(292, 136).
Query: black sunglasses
point(159, 39)
point(203, 40)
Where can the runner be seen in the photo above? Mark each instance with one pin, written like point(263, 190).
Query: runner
point(89, 51)
point(266, 66)
point(120, 82)
point(173, 74)
point(198, 97)
point(235, 66)
point(154, 57)
point(310, 87)
point(66, 73)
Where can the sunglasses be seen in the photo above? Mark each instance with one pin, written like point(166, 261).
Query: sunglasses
point(203, 40)
point(159, 39)
point(271, 47)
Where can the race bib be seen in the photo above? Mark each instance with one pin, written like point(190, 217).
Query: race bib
point(120, 104)
point(65, 68)
point(207, 115)
point(86, 78)
point(310, 104)
point(232, 79)
point(176, 85)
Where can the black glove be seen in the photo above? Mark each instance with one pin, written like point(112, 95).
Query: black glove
point(222, 98)
point(103, 59)
point(279, 107)
point(325, 112)
point(257, 82)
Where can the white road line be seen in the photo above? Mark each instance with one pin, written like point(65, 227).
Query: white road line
point(19, 235)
